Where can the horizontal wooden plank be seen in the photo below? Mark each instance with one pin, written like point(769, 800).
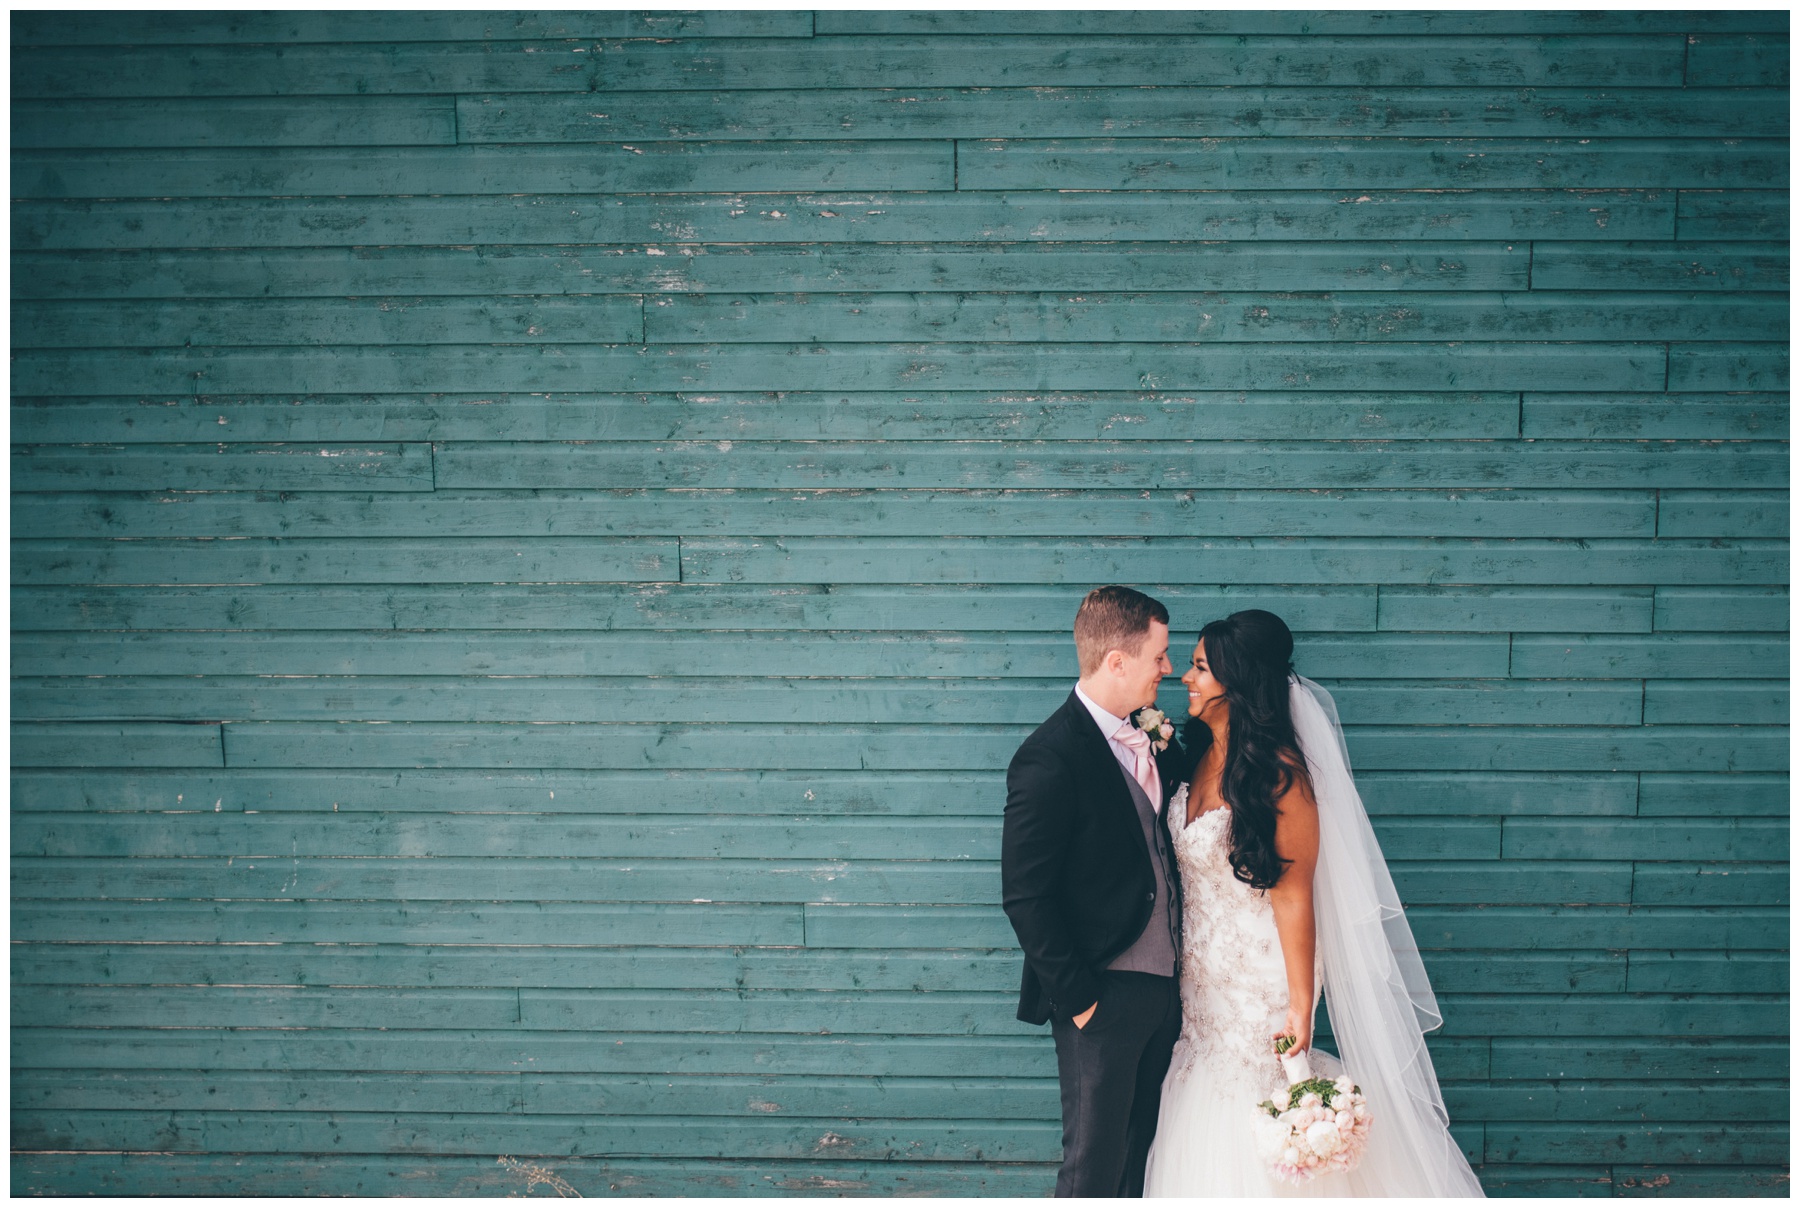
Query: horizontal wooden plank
point(902, 61)
point(364, 121)
point(554, 836)
point(1655, 417)
point(1510, 882)
point(1728, 367)
point(894, 561)
point(735, 416)
point(1514, 609)
point(418, 1174)
point(1737, 884)
point(473, 1133)
point(1736, 60)
point(866, 653)
point(851, 218)
point(598, 319)
point(124, 745)
point(883, 511)
point(1098, 317)
point(1702, 702)
point(283, 467)
point(715, 1010)
point(957, 366)
point(1629, 1057)
point(1731, 214)
point(414, 1174)
point(1145, 465)
point(1703, 657)
point(1145, 111)
point(508, 923)
point(301, 69)
point(1331, 163)
point(350, 560)
point(1666, 1143)
point(146, 28)
point(841, 794)
point(882, 62)
point(666, 608)
point(1587, 1103)
point(618, 1095)
point(570, 967)
point(1709, 972)
point(1477, 794)
point(1571, 748)
point(1591, 1181)
point(1142, 112)
point(1722, 608)
point(509, 1050)
point(1721, 514)
point(810, 700)
point(1531, 928)
point(1673, 266)
point(1645, 839)
point(1113, 22)
point(1713, 796)
point(1645, 1015)
point(680, 266)
point(1670, 1180)
point(1397, 561)
point(651, 167)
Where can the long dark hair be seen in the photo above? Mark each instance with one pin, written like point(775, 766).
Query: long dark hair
point(1251, 654)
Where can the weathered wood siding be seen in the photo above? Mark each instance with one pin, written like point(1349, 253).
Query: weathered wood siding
point(535, 536)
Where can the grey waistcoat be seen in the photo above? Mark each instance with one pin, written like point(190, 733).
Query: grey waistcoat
point(1155, 950)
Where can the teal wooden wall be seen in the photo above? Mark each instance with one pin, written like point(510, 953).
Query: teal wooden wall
point(535, 536)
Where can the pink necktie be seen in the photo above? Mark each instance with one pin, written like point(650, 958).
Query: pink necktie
point(1145, 772)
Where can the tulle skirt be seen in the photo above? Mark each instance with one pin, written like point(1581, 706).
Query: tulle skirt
point(1205, 1144)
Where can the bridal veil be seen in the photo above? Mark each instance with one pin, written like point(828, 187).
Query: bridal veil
point(1376, 991)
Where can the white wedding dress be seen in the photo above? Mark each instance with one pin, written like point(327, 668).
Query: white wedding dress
point(1234, 1001)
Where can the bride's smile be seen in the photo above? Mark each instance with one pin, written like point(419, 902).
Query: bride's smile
point(1202, 688)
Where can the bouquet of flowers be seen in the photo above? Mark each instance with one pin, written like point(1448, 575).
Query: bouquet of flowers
point(1314, 1125)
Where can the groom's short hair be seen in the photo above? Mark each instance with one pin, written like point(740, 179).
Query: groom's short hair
point(1113, 618)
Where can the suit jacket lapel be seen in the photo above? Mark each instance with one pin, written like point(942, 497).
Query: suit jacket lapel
point(1100, 751)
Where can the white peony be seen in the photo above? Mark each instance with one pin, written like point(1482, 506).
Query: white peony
point(1324, 1138)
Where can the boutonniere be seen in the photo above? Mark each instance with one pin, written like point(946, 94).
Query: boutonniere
point(1156, 724)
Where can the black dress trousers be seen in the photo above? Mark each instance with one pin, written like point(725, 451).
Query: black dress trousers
point(1111, 1072)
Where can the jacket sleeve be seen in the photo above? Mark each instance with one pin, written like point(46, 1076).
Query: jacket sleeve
point(1034, 842)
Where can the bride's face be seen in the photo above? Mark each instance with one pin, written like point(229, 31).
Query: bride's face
point(1202, 687)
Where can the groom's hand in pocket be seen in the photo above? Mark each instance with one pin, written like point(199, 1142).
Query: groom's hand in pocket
point(1081, 1020)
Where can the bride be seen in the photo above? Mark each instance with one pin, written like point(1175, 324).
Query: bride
point(1286, 895)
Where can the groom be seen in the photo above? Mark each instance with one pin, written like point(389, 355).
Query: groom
point(1088, 879)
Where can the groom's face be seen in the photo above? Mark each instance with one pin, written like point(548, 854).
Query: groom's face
point(1140, 673)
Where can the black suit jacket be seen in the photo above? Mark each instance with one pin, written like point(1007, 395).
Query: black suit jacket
point(1075, 873)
